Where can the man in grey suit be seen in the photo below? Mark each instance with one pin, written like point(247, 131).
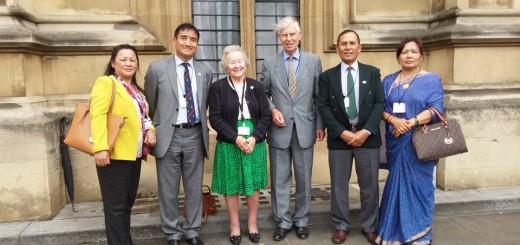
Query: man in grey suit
point(291, 84)
point(176, 90)
point(351, 104)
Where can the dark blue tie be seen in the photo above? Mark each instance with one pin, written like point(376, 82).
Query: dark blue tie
point(188, 95)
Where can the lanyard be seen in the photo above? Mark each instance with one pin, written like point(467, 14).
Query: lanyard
point(181, 83)
point(241, 101)
point(400, 98)
point(133, 92)
point(355, 81)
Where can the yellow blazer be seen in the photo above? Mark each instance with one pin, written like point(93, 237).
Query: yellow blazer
point(125, 147)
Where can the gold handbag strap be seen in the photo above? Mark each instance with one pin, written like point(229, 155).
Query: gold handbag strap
point(438, 114)
point(209, 189)
point(444, 122)
point(112, 98)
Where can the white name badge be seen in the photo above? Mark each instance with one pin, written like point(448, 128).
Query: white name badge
point(182, 103)
point(399, 108)
point(347, 102)
point(243, 131)
point(147, 123)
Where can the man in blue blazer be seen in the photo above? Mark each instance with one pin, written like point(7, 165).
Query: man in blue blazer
point(290, 80)
point(176, 89)
point(351, 103)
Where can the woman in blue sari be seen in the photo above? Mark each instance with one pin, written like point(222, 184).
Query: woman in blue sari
point(407, 205)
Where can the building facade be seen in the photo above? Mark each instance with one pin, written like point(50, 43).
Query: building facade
point(51, 52)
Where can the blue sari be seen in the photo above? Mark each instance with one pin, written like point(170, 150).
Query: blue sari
point(407, 205)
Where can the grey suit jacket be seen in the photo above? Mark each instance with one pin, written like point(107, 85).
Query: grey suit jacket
point(160, 88)
point(303, 111)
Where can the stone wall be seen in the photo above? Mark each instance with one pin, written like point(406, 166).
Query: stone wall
point(51, 52)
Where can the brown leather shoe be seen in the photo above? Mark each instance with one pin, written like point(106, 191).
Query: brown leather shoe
point(371, 237)
point(339, 236)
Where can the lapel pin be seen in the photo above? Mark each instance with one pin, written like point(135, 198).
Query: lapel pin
point(252, 87)
point(364, 82)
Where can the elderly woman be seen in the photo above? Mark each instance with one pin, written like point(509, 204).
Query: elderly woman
point(407, 205)
point(239, 112)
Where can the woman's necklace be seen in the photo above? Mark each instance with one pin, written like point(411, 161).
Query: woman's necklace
point(407, 85)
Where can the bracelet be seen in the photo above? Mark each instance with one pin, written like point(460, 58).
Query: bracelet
point(386, 119)
point(416, 121)
point(390, 118)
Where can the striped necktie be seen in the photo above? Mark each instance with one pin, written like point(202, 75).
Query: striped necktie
point(188, 95)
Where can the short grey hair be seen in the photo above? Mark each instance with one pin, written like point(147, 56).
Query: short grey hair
point(285, 23)
point(230, 49)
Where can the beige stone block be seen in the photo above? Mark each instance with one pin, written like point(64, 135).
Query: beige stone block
point(320, 167)
point(445, 68)
point(23, 134)
point(489, 123)
point(63, 7)
point(148, 181)
point(24, 179)
point(33, 74)
point(481, 178)
point(391, 7)
point(86, 183)
point(484, 153)
point(72, 74)
point(12, 75)
point(478, 65)
point(25, 208)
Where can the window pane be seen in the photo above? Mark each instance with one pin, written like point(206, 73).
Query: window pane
point(227, 8)
point(206, 53)
point(227, 23)
point(267, 14)
point(263, 52)
point(228, 37)
point(264, 8)
point(219, 26)
point(286, 9)
point(266, 37)
point(265, 23)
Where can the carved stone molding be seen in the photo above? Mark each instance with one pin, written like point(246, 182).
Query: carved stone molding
point(22, 31)
point(438, 25)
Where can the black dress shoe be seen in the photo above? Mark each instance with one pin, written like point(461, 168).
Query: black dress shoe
point(235, 239)
point(302, 232)
point(280, 233)
point(254, 237)
point(195, 241)
point(174, 242)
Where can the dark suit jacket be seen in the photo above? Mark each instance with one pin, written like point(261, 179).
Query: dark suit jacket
point(160, 88)
point(332, 107)
point(224, 109)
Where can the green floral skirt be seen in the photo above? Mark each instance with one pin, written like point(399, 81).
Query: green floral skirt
point(235, 172)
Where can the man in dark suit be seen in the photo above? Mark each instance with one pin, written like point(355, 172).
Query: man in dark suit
point(351, 105)
point(176, 90)
point(290, 79)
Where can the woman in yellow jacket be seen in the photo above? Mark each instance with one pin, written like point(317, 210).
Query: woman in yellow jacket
point(119, 168)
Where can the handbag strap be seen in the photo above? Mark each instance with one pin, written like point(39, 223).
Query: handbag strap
point(112, 98)
point(432, 109)
point(443, 121)
point(209, 189)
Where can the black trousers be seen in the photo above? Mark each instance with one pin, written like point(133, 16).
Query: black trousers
point(119, 182)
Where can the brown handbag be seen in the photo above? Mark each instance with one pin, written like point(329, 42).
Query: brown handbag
point(79, 136)
point(442, 139)
point(209, 206)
